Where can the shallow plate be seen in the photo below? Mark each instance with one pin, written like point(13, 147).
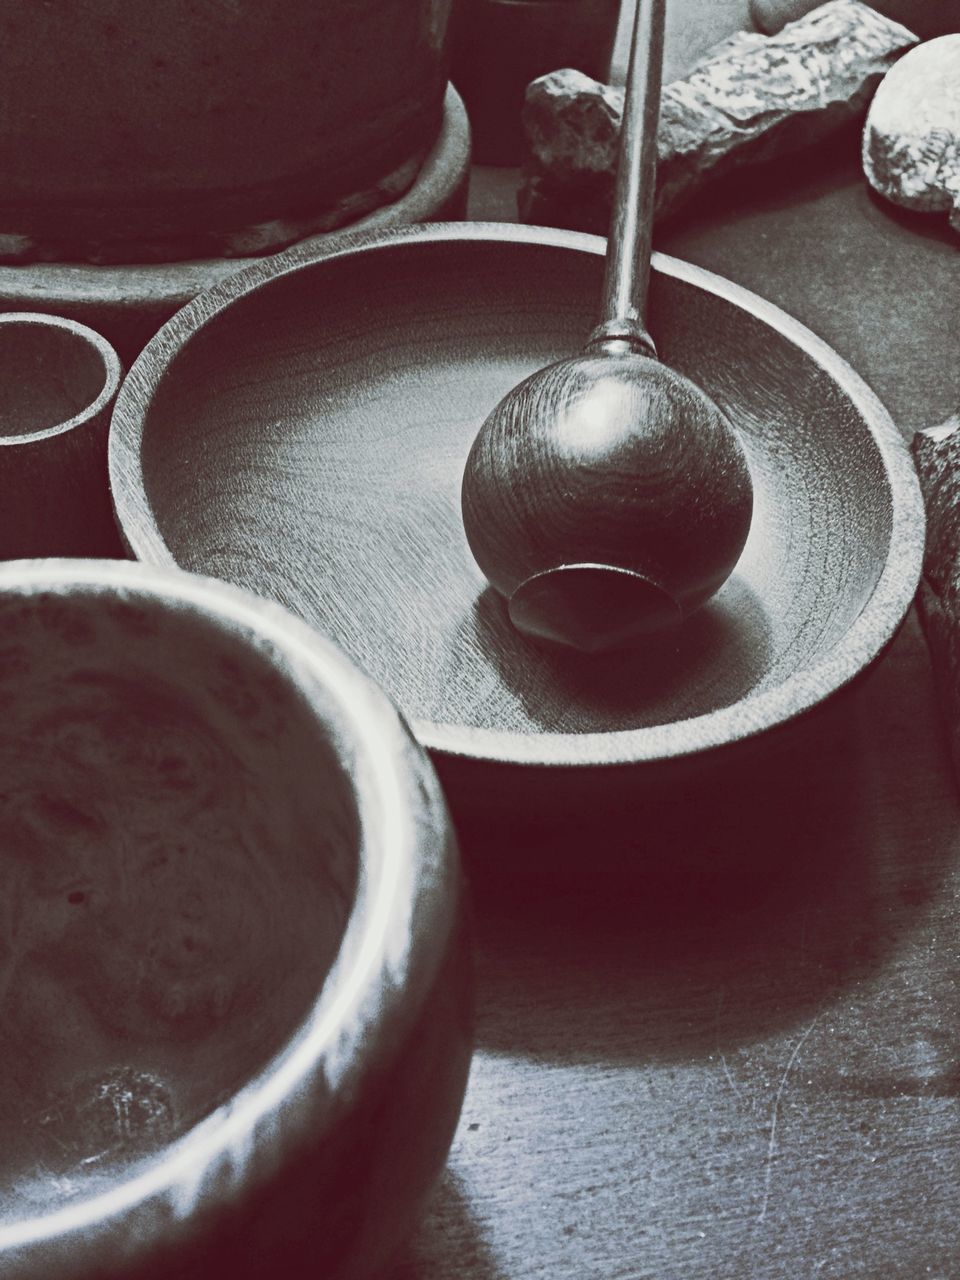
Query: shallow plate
point(301, 430)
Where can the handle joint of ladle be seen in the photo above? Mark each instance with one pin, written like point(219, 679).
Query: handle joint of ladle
point(622, 335)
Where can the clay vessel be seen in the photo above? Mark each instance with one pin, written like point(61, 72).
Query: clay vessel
point(233, 951)
point(150, 128)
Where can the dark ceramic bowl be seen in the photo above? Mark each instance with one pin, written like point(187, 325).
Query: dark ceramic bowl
point(128, 303)
point(302, 430)
point(189, 120)
point(232, 949)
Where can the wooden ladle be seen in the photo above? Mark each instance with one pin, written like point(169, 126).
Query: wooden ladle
point(607, 496)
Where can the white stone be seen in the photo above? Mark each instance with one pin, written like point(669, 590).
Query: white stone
point(911, 140)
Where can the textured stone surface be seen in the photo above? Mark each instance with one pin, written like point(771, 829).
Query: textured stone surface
point(911, 141)
point(936, 451)
point(752, 97)
point(927, 18)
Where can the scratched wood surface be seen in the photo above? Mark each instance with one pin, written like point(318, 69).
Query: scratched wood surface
point(749, 1072)
point(753, 1071)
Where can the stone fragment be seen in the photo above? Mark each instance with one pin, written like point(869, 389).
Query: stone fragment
point(927, 18)
point(911, 140)
point(752, 97)
point(936, 452)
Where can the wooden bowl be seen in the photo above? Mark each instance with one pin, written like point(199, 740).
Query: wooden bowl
point(231, 938)
point(302, 429)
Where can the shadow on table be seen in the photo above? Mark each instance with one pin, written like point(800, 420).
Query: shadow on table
point(744, 910)
point(448, 1234)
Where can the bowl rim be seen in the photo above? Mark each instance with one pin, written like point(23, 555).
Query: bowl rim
point(754, 714)
point(371, 973)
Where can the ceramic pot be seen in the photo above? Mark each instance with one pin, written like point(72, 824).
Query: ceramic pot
point(131, 128)
point(236, 989)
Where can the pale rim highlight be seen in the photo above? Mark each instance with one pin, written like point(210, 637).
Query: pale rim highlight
point(111, 372)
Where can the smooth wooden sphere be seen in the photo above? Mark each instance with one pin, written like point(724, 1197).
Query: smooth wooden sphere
point(232, 942)
point(608, 458)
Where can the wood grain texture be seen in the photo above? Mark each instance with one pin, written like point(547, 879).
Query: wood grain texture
point(175, 883)
point(749, 1070)
point(700, 1073)
point(609, 459)
point(664, 1059)
point(303, 441)
point(692, 1072)
point(607, 497)
point(58, 381)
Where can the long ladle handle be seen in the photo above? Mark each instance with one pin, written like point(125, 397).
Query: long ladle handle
point(627, 272)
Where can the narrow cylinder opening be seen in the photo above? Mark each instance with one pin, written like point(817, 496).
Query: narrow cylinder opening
point(50, 372)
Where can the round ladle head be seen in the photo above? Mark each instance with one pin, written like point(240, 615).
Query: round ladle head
point(607, 496)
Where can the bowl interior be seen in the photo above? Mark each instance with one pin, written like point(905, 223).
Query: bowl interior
point(307, 441)
point(179, 858)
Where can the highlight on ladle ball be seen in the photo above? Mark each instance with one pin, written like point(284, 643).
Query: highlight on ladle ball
point(606, 498)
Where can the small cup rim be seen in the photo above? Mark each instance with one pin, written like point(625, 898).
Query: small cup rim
point(110, 361)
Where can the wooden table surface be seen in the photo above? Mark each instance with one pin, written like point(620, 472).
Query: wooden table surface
point(751, 1068)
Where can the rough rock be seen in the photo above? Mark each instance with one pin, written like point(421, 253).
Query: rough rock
point(928, 18)
point(936, 452)
point(911, 140)
point(752, 97)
